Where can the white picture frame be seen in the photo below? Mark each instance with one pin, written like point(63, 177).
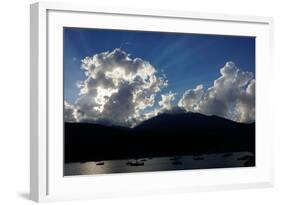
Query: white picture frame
point(47, 182)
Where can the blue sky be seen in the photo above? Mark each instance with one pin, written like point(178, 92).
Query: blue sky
point(186, 59)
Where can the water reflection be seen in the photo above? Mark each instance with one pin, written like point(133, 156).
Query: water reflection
point(237, 159)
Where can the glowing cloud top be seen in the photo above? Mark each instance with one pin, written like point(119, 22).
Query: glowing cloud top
point(117, 90)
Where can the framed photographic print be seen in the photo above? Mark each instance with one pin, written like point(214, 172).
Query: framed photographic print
point(127, 102)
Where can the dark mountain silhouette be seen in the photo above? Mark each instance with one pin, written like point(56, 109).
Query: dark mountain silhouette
point(186, 121)
point(167, 134)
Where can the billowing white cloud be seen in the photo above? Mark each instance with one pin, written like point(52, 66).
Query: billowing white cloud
point(165, 105)
point(116, 88)
point(232, 96)
point(69, 112)
point(191, 99)
point(166, 101)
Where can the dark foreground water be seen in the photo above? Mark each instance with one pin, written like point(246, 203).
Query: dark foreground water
point(222, 160)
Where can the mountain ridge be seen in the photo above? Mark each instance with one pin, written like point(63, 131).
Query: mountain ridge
point(163, 135)
point(160, 115)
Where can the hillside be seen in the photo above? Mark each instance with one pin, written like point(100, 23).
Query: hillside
point(163, 135)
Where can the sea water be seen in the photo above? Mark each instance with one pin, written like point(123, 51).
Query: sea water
point(221, 160)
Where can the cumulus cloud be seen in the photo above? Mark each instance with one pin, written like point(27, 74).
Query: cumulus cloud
point(69, 112)
point(166, 101)
point(232, 96)
point(116, 88)
point(191, 98)
point(166, 105)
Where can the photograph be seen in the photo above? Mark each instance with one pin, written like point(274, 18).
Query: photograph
point(146, 101)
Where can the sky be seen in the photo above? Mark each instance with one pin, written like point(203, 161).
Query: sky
point(190, 66)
